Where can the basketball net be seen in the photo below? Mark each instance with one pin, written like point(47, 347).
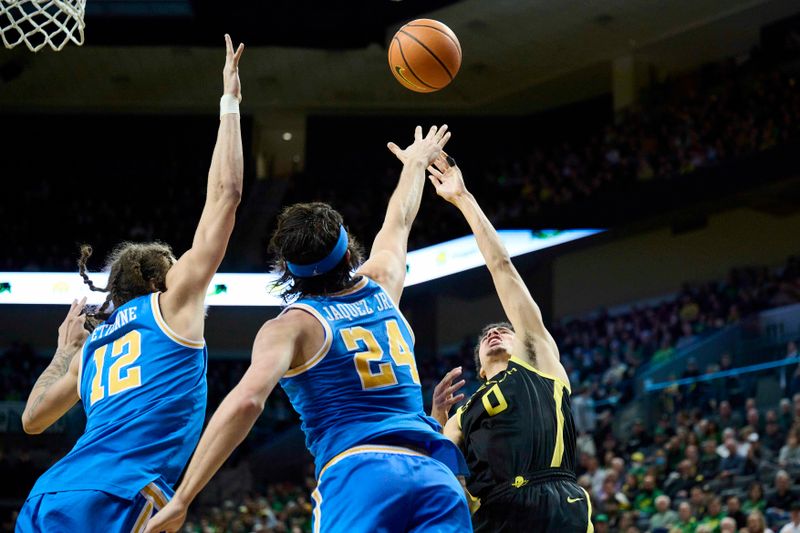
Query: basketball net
point(38, 23)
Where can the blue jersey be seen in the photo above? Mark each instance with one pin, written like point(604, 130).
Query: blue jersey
point(143, 388)
point(362, 387)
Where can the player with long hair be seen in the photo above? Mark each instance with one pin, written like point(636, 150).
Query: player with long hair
point(343, 353)
point(141, 374)
point(517, 430)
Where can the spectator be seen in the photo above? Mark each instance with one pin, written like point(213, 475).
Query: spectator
point(686, 523)
point(786, 416)
point(639, 438)
point(754, 456)
point(664, 517)
point(773, 434)
point(714, 515)
point(732, 464)
point(789, 376)
point(600, 523)
point(679, 483)
point(754, 420)
point(583, 411)
point(733, 510)
point(595, 473)
point(794, 520)
point(709, 460)
point(645, 500)
point(728, 525)
point(722, 449)
point(698, 499)
point(755, 499)
point(790, 452)
point(779, 503)
point(756, 523)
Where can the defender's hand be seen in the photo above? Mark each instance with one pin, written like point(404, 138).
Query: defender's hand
point(443, 395)
point(424, 149)
point(71, 333)
point(230, 74)
point(447, 180)
point(170, 518)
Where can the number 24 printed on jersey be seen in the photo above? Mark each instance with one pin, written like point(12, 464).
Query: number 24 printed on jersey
point(398, 350)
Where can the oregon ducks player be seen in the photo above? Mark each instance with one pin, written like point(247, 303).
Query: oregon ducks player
point(516, 430)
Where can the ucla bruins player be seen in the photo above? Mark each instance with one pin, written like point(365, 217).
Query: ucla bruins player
point(343, 353)
point(516, 430)
point(140, 375)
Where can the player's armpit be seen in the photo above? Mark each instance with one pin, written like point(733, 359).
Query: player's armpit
point(388, 269)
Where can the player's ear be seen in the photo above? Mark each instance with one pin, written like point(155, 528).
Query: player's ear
point(482, 374)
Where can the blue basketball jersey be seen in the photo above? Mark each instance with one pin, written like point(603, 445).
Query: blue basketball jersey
point(362, 387)
point(143, 389)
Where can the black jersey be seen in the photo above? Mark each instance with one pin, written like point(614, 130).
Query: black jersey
point(517, 424)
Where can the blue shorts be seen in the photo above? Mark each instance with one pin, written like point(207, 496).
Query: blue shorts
point(88, 511)
point(388, 489)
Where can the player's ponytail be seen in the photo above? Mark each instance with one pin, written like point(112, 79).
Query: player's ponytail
point(86, 253)
point(94, 315)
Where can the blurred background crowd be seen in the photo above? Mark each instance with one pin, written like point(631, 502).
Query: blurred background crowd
point(678, 326)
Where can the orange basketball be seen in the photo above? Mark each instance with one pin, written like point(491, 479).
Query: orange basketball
point(424, 55)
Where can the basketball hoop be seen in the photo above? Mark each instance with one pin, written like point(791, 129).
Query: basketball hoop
point(41, 22)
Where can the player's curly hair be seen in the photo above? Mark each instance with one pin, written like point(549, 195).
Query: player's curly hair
point(135, 269)
point(307, 233)
point(476, 351)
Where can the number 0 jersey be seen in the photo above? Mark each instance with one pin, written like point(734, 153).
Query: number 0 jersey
point(517, 423)
point(143, 389)
point(362, 387)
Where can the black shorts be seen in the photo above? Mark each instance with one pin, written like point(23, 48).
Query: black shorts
point(557, 506)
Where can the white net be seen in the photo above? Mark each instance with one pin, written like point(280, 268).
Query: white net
point(40, 23)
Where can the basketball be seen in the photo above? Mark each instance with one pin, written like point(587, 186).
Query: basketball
point(424, 55)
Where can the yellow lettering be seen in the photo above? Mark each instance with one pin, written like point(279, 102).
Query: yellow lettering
point(98, 391)
point(117, 382)
point(398, 349)
point(121, 375)
point(501, 406)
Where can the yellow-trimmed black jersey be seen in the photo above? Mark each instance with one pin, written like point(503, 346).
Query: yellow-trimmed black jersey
point(518, 423)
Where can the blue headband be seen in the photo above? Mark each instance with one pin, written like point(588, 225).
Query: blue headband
point(324, 265)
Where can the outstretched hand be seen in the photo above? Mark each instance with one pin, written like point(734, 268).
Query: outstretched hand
point(424, 149)
point(444, 397)
point(448, 180)
point(71, 333)
point(230, 74)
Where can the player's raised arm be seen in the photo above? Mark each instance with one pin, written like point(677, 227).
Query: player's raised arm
point(387, 259)
point(188, 279)
point(532, 340)
point(56, 390)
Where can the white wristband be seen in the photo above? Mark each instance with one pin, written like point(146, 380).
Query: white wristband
point(228, 104)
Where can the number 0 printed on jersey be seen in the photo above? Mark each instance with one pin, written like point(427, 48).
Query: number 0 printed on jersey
point(399, 351)
point(121, 375)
